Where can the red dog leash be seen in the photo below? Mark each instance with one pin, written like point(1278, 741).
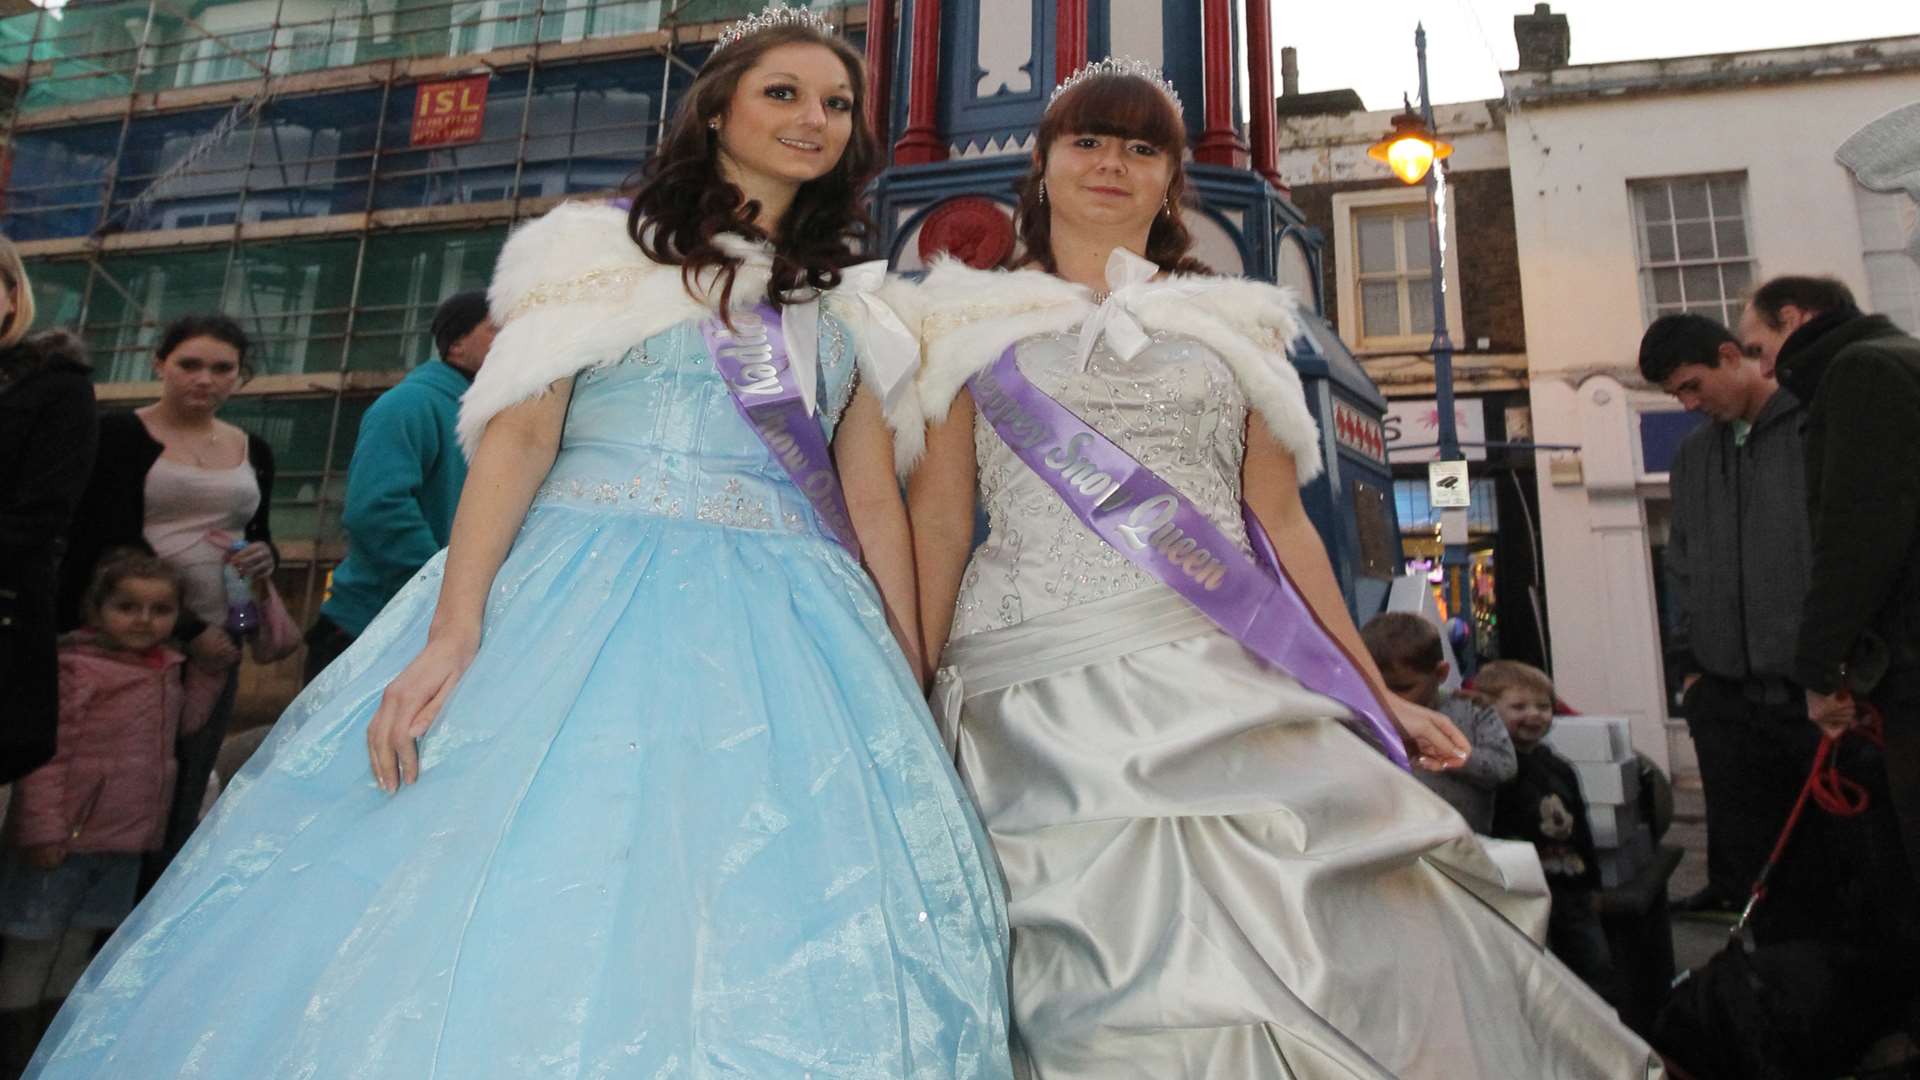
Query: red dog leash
point(1826, 786)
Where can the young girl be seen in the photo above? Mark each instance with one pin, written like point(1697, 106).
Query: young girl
point(653, 791)
point(1209, 876)
point(79, 824)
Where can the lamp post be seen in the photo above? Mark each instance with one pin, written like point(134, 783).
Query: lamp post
point(1412, 150)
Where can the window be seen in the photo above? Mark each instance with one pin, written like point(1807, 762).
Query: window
point(1889, 231)
point(615, 17)
point(1383, 269)
point(321, 43)
point(301, 431)
point(1417, 515)
point(1394, 272)
point(1691, 232)
point(228, 57)
point(491, 24)
point(405, 276)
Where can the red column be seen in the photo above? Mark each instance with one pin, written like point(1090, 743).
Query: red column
point(880, 69)
point(1262, 127)
point(921, 143)
point(1219, 143)
point(1070, 38)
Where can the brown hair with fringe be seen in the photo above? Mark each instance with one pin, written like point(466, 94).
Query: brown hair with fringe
point(684, 203)
point(1126, 107)
point(127, 564)
point(1401, 639)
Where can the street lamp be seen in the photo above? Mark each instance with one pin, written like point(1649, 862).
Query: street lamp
point(1411, 150)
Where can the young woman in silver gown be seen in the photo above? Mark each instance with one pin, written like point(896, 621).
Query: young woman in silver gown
point(1209, 874)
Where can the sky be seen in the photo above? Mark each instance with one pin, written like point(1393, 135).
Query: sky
point(1367, 45)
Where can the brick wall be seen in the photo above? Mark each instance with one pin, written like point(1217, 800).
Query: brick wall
point(1489, 260)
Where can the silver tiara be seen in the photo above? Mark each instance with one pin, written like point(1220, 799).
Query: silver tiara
point(776, 14)
point(1118, 65)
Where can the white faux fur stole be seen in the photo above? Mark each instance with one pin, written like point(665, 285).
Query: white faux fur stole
point(572, 291)
point(968, 318)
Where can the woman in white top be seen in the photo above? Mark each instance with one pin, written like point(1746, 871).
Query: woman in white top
point(1208, 874)
point(175, 479)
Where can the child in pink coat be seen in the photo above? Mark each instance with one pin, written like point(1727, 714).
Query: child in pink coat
point(78, 824)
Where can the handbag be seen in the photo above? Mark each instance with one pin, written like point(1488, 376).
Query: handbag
point(278, 636)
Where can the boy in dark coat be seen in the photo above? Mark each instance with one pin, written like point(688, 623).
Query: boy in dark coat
point(1543, 805)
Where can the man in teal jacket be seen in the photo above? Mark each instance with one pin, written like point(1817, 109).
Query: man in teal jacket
point(404, 481)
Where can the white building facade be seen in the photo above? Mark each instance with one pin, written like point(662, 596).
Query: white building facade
point(1650, 187)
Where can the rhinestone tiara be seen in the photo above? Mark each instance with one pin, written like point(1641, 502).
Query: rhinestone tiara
point(1118, 65)
point(776, 14)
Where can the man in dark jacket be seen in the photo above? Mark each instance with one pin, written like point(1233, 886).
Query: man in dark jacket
point(1859, 634)
point(1736, 567)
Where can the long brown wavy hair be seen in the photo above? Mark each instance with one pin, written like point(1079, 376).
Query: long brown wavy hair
point(684, 202)
point(1125, 107)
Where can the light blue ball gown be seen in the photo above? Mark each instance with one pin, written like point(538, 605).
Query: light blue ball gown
point(685, 816)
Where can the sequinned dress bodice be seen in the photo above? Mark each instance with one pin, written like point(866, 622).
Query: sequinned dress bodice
point(1176, 407)
point(658, 433)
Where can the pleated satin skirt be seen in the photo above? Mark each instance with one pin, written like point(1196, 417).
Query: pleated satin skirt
point(1210, 876)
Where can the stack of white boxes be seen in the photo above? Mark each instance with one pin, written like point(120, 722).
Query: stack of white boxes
point(1601, 751)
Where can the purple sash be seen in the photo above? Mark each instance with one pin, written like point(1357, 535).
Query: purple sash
point(1157, 529)
point(752, 360)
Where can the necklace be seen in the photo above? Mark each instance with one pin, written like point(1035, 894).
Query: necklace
point(199, 447)
point(210, 443)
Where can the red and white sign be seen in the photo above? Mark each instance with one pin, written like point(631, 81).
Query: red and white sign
point(1415, 422)
point(1358, 432)
point(449, 112)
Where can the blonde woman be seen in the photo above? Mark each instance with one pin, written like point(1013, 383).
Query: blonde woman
point(47, 437)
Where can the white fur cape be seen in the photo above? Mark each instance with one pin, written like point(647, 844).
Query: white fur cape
point(573, 291)
point(968, 318)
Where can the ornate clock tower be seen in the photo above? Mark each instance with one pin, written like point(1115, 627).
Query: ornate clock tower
point(957, 88)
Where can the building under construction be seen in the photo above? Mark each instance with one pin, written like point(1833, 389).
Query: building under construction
point(326, 171)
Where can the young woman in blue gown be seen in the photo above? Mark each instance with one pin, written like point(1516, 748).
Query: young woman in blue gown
point(654, 792)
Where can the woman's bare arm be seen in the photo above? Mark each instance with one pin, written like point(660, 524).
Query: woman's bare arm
point(515, 453)
point(863, 454)
point(1270, 485)
point(940, 501)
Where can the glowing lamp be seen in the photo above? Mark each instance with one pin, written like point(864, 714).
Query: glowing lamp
point(1410, 149)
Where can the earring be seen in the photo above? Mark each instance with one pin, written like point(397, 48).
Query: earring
point(1166, 205)
point(1043, 193)
point(713, 125)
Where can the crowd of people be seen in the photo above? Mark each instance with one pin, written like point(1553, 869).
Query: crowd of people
point(665, 718)
point(123, 534)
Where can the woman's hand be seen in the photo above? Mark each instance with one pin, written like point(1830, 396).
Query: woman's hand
point(45, 856)
point(213, 649)
point(1433, 742)
point(253, 561)
point(409, 707)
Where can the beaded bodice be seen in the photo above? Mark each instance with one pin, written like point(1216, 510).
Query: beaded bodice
point(1175, 407)
point(657, 433)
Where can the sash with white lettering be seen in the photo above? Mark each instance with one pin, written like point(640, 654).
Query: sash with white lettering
point(752, 360)
point(1157, 529)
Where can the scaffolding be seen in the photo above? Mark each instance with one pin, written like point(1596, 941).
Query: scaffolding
point(255, 157)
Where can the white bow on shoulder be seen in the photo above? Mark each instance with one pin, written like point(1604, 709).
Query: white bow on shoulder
point(892, 349)
point(1129, 277)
